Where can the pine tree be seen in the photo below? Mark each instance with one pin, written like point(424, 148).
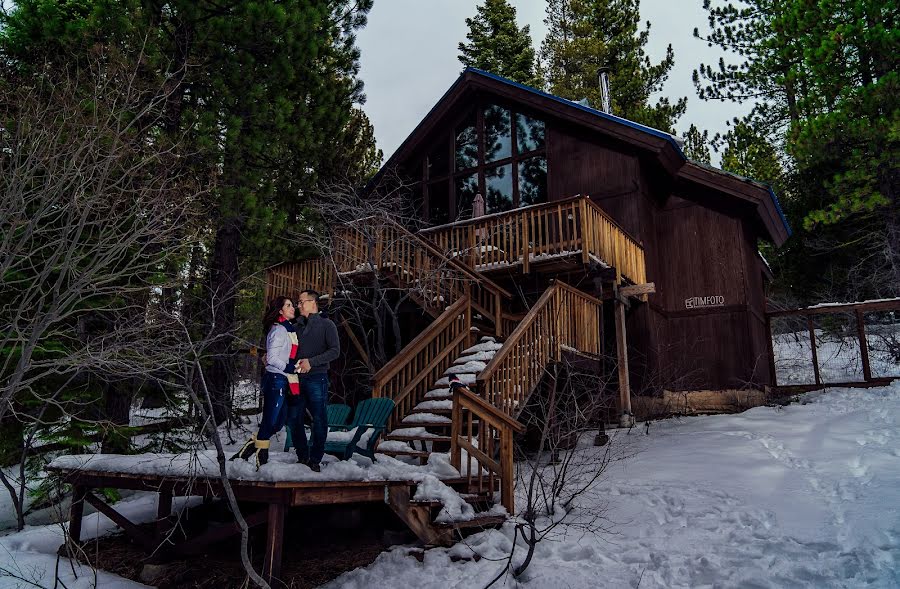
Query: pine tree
point(496, 44)
point(585, 35)
point(259, 89)
point(696, 144)
point(824, 78)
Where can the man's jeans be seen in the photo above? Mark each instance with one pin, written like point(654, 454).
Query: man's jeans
point(313, 396)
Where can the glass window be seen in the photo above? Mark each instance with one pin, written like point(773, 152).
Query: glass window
point(415, 202)
point(497, 134)
point(439, 203)
point(466, 189)
point(499, 187)
point(532, 181)
point(467, 144)
point(439, 161)
point(529, 133)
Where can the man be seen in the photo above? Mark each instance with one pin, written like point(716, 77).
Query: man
point(319, 345)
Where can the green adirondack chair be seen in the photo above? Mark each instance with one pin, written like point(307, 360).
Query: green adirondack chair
point(337, 418)
point(370, 414)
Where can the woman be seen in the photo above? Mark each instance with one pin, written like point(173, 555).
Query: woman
point(280, 383)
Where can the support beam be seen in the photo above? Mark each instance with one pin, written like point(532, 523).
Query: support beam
point(274, 543)
point(76, 513)
point(132, 530)
point(626, 417)
point(815, 353)
point(637, 290)
point(163, 511)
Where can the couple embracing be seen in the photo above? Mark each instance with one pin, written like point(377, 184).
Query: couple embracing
point(296, 377)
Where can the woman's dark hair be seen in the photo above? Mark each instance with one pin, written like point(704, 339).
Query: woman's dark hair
point(273, 311)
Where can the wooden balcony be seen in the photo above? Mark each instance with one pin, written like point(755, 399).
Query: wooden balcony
point(572, 228)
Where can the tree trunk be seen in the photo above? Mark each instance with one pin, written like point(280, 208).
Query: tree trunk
point(222, 296)
point(117, 399)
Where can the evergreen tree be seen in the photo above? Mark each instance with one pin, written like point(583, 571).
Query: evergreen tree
point(696, 144)
point(825, 78)
point(259, 89)
point(497, 45)
point(585, 35)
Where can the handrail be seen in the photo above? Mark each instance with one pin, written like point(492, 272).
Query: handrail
point(289, 278)
point(562, 317)
point(416, 265)
point(529, 234)
point(493, 425)
point(407, 377)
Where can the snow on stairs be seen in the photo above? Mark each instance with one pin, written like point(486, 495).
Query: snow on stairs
point(439, 515)
point(429, 422)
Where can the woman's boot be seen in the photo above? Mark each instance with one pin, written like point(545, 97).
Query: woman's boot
point(247, 449)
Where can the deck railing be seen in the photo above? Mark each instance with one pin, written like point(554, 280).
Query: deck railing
point(415, 265)
point(411, 373)
point(488, 446)
point(563, 318)
point(574, 226)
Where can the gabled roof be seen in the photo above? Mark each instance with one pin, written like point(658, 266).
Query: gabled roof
point(661, 144)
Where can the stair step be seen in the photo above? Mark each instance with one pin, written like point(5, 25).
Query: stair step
point(410, 452)
point(484, 521)
point(446, 412)
point(424, 419)
point(426, 437)
point(431, 424)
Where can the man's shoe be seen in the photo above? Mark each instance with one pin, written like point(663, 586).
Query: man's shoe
point(314, 466)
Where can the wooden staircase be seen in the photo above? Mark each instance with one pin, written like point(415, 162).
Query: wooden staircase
point(443, 270)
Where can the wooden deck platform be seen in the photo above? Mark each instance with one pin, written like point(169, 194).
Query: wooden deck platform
point(273, 499)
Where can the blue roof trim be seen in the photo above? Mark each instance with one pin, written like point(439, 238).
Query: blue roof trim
point(621, 121)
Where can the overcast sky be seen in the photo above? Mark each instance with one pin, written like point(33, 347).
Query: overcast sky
point(409, 58)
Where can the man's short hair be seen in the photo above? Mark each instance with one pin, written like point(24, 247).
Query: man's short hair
point(311, 293)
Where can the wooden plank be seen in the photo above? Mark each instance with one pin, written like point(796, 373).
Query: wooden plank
point(333, 495)
point(163, 511)
point(485, 460)
point(507, 475)
point(133, 531)
point(638, 290)
point(865, 307)
point(274, 542)
point(416, 517)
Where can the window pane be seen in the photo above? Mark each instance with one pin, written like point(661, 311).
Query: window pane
point(466, 144)
point(497, 134)
point(529, 133)
point(439, 202)
point(415, 202)
point(466, 189)
point(439, 161)
point(532, 181)
point(499, 186)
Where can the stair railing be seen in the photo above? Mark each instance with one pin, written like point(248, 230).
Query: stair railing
point(416, 264)
point(531, 234)
point(492, 437)
point(563, 318)
point(410, 374)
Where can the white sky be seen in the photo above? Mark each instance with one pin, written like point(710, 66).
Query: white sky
point(409, 59)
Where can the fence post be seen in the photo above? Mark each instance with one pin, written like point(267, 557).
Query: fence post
point(455, 427)
point(863, 345)
point(507, 474)
point(812, 344)
point(770, 348)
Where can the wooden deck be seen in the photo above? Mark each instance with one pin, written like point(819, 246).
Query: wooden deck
point(272, 499)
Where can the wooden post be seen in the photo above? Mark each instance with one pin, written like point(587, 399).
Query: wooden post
point(507, 476)
point(455, 428)
point(863, 345)
point(585, 227)
point(812, 344)
point(274, 542)
point(163, 511)
point(76, 513)
point(770, 349)
point(627, 418)
point(524, 236)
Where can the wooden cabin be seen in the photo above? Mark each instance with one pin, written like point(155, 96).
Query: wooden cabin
point(516, 190)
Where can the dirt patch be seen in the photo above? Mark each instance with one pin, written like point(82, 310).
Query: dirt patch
point(320, 544)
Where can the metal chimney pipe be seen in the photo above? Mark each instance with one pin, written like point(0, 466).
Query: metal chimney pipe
point(603, 74)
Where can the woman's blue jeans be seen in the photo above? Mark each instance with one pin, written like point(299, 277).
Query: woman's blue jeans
point(314, 397)
point(274, 392)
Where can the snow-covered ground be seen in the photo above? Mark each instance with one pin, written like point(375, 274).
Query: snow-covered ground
point(802, 496)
